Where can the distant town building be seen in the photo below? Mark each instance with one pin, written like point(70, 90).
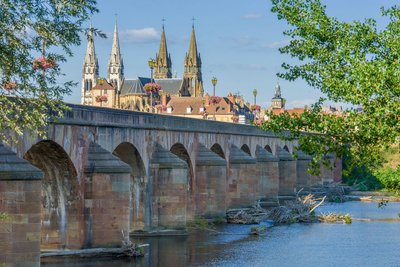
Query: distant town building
point(278, 107)
point(227, 109)
point(130, 93)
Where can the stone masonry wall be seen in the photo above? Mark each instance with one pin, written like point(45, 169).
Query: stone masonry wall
point(107, 199)
point(268, 175)
point(287, 177)
point(210, 190)
point(20, 230)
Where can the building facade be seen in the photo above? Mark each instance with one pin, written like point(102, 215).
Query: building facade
point(130, 93)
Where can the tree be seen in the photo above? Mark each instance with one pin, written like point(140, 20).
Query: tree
point(35, 37)
point(352, 63)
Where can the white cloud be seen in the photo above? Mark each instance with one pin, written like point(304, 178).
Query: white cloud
point(277, 44)
point(144, 35)
point(252, 16)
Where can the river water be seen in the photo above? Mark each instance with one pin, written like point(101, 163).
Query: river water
point(363, 243)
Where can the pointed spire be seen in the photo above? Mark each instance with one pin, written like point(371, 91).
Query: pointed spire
point(115, 63)
point(115, 57)
point(90, 57)
point(163, 60)
point(193, 55)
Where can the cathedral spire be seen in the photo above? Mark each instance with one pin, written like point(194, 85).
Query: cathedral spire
point(115, 57)
point(192, 54)
point(163, 59)
point(115, 63)
point(90, 70)
point(193, 83)
point(90, 57)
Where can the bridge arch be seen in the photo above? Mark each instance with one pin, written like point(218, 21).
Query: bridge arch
point(62, 205)
point(129, 154)
point(217, 149)
point(268, 148)
point(246, 149)
point(179, 150)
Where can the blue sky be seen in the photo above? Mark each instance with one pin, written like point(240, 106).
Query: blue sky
point(238, 42)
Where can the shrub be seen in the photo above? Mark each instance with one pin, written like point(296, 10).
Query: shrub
point(390, 178)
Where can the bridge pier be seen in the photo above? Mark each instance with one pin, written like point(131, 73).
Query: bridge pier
point(210, 173)
point(20, 204)
point(169, 185)
point(268, 174)
point(303, 177)
point(287, 172)
point(242, 179)
point(107, 197)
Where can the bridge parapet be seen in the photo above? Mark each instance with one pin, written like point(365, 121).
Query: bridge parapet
point(97, 116)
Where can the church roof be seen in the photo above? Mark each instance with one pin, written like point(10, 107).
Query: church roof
point(103, 85)
point(134, 86)
point(170, 86)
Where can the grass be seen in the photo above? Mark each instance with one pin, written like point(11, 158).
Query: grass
point(335, 218)
point(3, 216)
point(392, 156)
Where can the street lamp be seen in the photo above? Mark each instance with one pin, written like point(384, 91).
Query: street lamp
point(214, 83)
point(255, 96)
point(152, 64)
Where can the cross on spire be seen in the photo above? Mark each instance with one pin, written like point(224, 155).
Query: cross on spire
point(193, 19)
point(163, 22)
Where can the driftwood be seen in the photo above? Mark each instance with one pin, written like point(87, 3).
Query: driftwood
point(253, 215)
point(90, 253)
point(300, 210)
point(128, 249)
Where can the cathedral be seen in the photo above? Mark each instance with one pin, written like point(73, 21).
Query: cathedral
point(118, 92)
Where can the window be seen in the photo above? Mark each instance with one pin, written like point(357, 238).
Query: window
point(189, 109)
point(105, 92)
point(169, 109)
point(202, 109)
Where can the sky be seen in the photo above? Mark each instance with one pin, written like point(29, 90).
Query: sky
point(238, 41)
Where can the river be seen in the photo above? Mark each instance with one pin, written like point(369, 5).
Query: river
point(362, 243)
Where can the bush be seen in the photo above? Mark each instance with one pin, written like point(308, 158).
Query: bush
point(389, 178)
point(362, 178)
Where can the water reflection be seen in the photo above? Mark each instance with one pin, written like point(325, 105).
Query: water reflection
point(360, 244)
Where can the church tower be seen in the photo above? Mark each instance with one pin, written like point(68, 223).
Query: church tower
point(277, 101)
point(90, 71)
point(162, 69)
point(115, 63)
point(193, 82)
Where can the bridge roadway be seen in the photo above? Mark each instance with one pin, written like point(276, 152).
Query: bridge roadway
point(107, 170)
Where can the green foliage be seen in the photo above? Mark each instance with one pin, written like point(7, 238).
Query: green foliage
point(350, 62)
point(360, 177)
point(390, 178)
point(4, 216)
point(200, 223)
point(335, 217)
point(29, 29)
point(219, 220)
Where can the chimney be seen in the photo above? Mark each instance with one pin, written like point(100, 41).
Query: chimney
point(207, 100)
point(164, 99)
point(232, 98)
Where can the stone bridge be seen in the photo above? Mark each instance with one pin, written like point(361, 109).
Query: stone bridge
point(107, 170)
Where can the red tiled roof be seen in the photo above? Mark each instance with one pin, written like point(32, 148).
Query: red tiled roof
point(103, 86)
point(179, 105)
